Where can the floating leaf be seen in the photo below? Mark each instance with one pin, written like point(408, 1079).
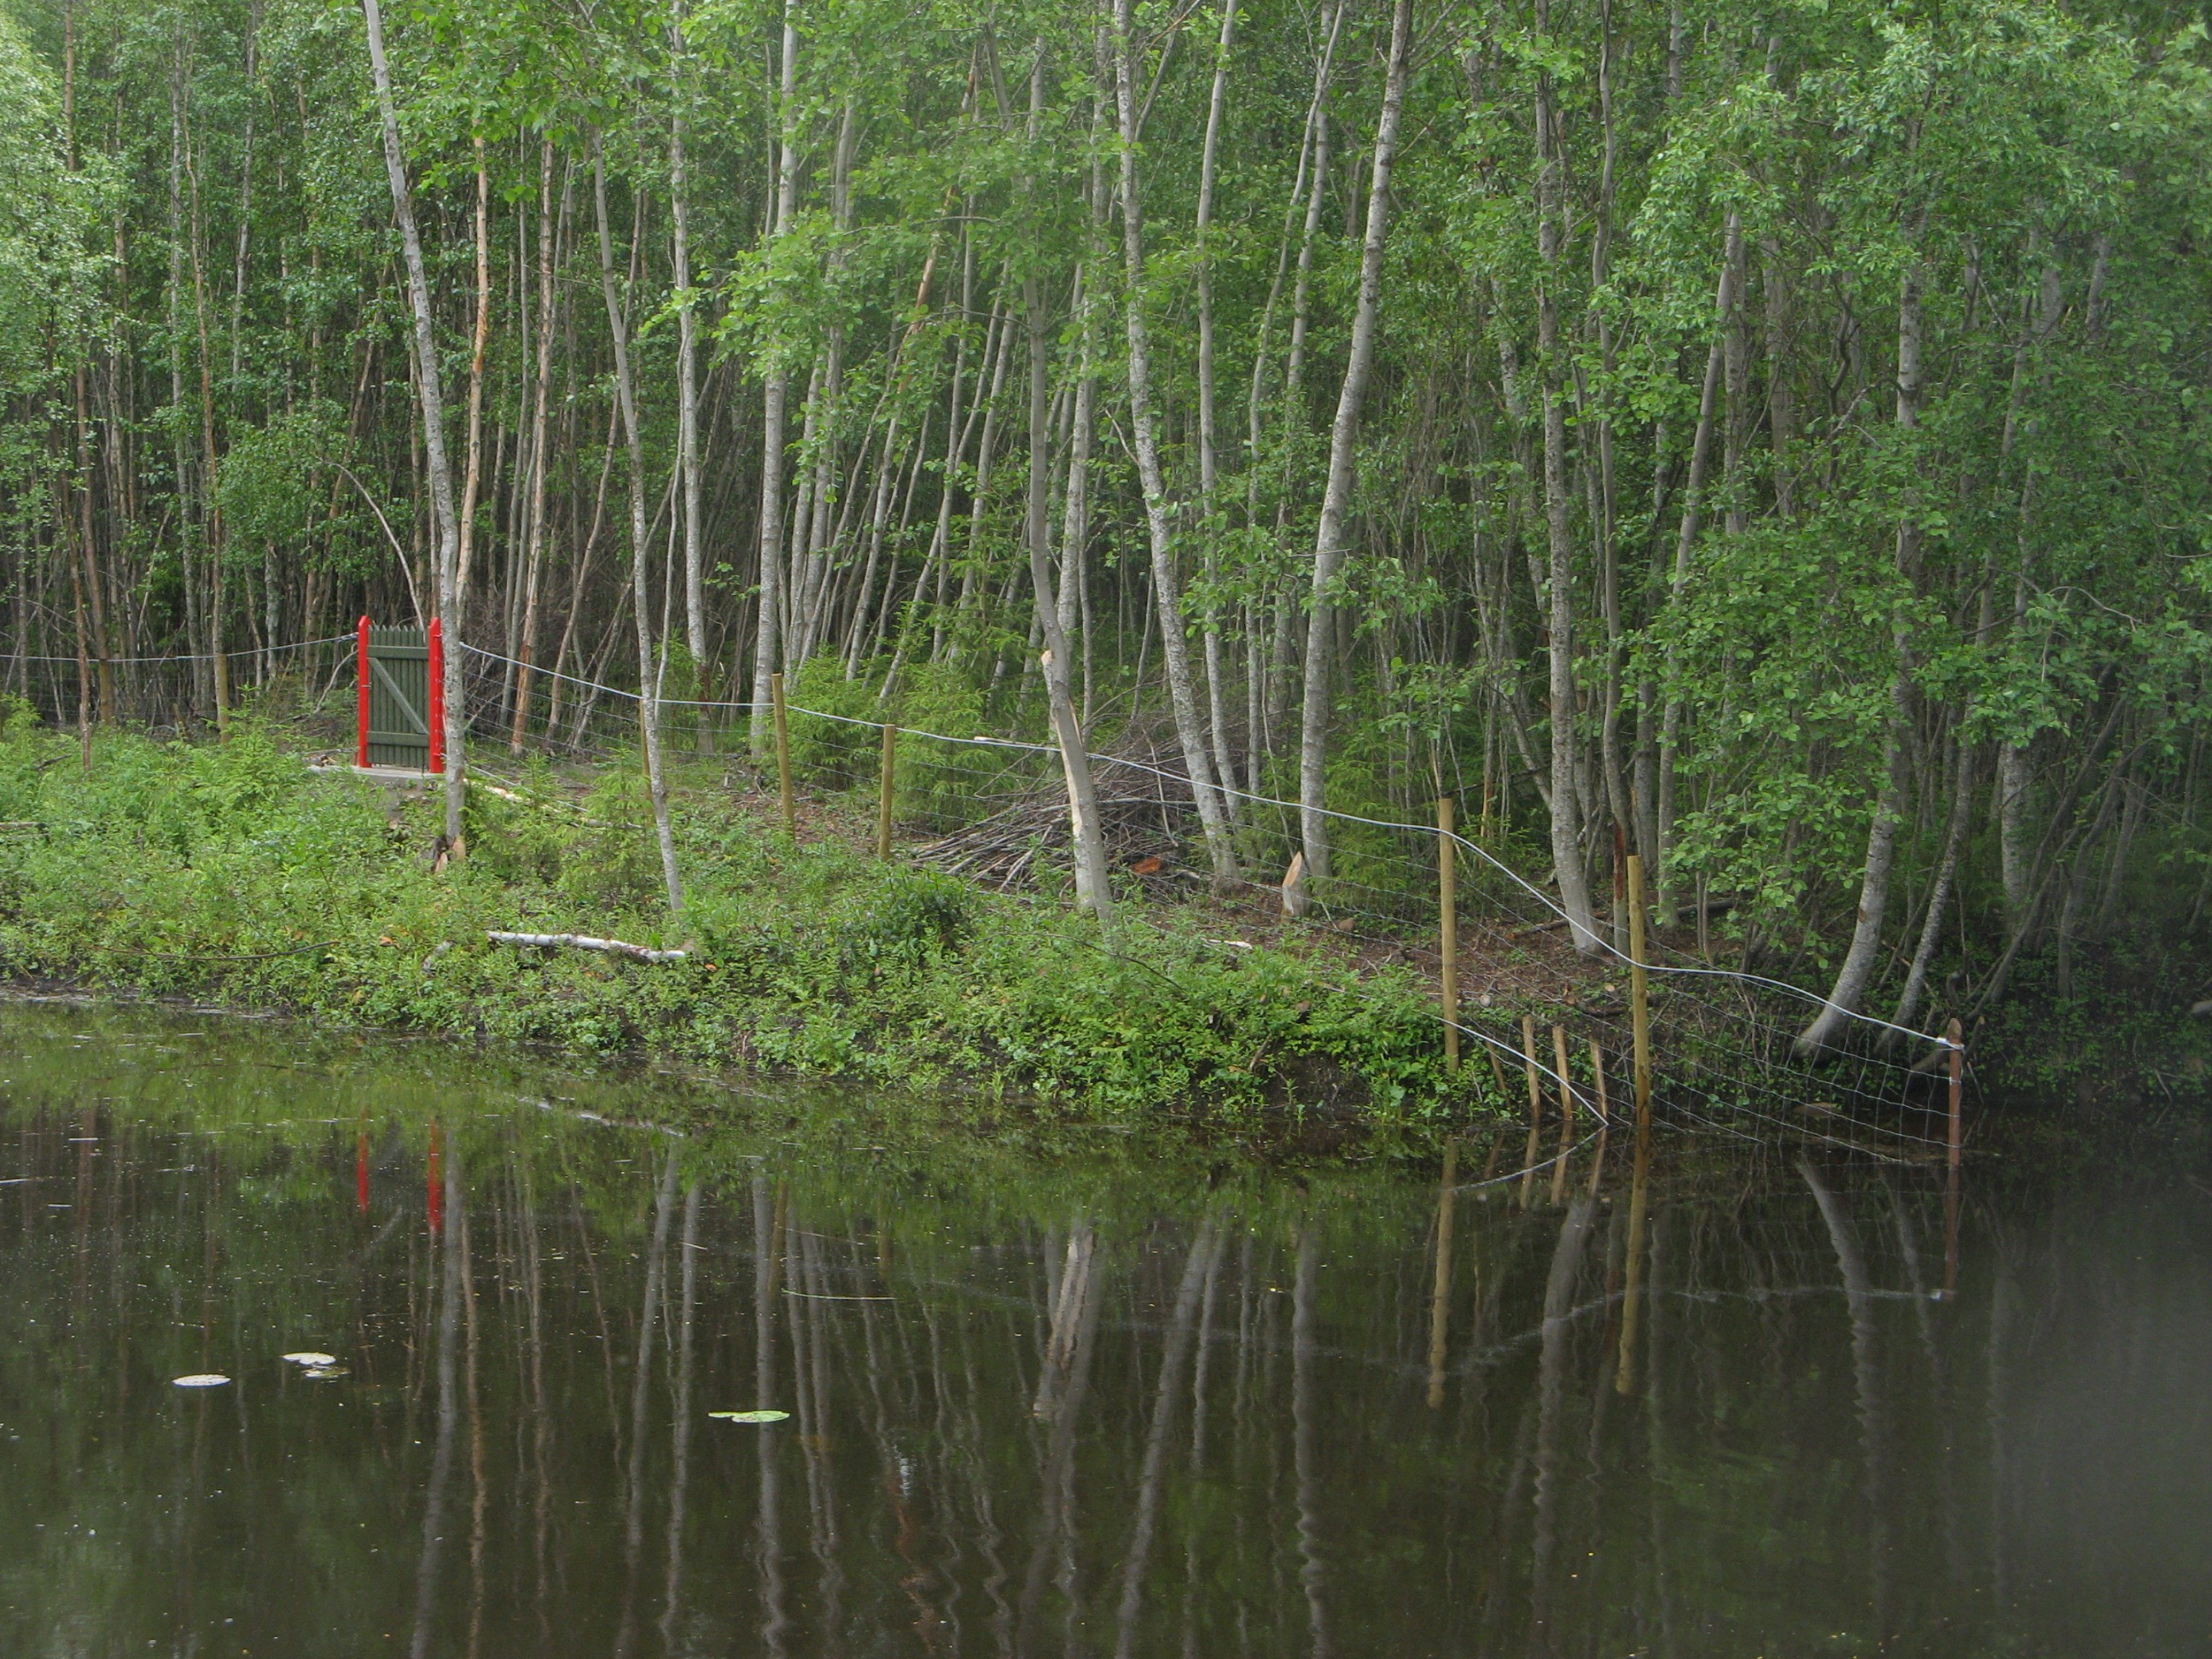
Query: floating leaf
point(750, 1417)
point(323, 1373)
point(203, 1380)
point(311, 1359)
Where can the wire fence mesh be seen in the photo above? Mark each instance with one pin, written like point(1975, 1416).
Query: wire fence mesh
point(1543, 1020)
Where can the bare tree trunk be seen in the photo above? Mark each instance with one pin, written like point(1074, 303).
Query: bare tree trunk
point(479, 337)
point(1939, 896)
point(1566, 807)
point(1209, 461)
point(1093, 890)
point(533, 561)
point(1343, 445)
point(687, 373)
point(648, 682)
point(775, 394)
point(430, 393)
point(1143, 420)
point(1857, 972)
point(1701, 449)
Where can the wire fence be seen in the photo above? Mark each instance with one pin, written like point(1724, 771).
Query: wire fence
point(1541, 1019)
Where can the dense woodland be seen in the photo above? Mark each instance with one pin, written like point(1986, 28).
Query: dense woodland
point(1766, 437)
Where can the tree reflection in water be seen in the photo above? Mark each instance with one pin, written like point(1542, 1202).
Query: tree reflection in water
point(1052, 1395)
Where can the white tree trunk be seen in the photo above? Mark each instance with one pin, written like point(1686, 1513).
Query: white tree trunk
point(1343, 445)
point(430, 392)
point(1174, 650)
point(648, 682)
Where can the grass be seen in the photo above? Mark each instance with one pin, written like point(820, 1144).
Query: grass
point(233, 874)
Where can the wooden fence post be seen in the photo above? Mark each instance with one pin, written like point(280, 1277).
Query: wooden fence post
point(1639, 993)
point(783, 755)
point(436, 700)
point(1566, 1113)
point(1604, 1115)
point(1448, 927)
point(883, 802)
point(1955, 1038)
point(361, 694)
point(1535, 1107)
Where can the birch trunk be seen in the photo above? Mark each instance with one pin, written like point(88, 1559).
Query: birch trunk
point(648, 683)
point(687, 376)
point(1208, 460)
point(1567, 867)
point(1856, 975)
point(1143, 420)
point(1093, 890)
point(430, 395)
point(1336, 500)
point(534, 559)
point(776, 391)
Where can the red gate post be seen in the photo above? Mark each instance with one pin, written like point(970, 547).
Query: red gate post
point(437, 697)
point(361, 694)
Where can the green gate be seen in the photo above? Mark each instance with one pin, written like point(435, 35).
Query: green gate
point(397, 730)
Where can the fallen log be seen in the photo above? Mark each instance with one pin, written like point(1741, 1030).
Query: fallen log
point(586, 942)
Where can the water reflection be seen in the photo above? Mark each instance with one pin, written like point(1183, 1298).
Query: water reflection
point(1043, 1400)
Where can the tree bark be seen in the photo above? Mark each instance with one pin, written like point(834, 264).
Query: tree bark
point(430, 393)
point(1092, 889)
point(1343, 444)
point(648, 682)
point(775, 394)
point(1566, 808)
point(1175, 651)
point(1856, 975)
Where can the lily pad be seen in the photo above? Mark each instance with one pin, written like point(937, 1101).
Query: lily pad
point(203, 1380)
point(311, 1359)
point(750, 1417)
point(323, 1373)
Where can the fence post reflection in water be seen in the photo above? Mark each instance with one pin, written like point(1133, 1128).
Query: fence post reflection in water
point(1604, 1116)
point(1440, 1296)
point(1536, 1109)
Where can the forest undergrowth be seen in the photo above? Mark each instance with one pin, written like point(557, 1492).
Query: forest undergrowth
point(234, 875)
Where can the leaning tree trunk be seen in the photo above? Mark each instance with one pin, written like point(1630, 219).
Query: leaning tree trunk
point(1857, 974)
point(1143, 420)
point(1343, 442)
point(1566, 795)
point(1092, 890)
point(429, 389)
point(648, 682)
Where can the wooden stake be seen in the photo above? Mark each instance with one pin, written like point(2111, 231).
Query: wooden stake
point(1955, 1035)
point(1954, 1039)
point(1604, 1115)
point(1639, 993)
point(1496, 1070)
point(1448, 927)
point(1440, 1297)
point(783, 754)
point(1535, 1107)
point(1566, 1113)
point(884, 792)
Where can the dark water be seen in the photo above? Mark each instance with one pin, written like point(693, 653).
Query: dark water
point(1073, 1396)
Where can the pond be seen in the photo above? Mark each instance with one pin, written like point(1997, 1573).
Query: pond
point(1038, 1392)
